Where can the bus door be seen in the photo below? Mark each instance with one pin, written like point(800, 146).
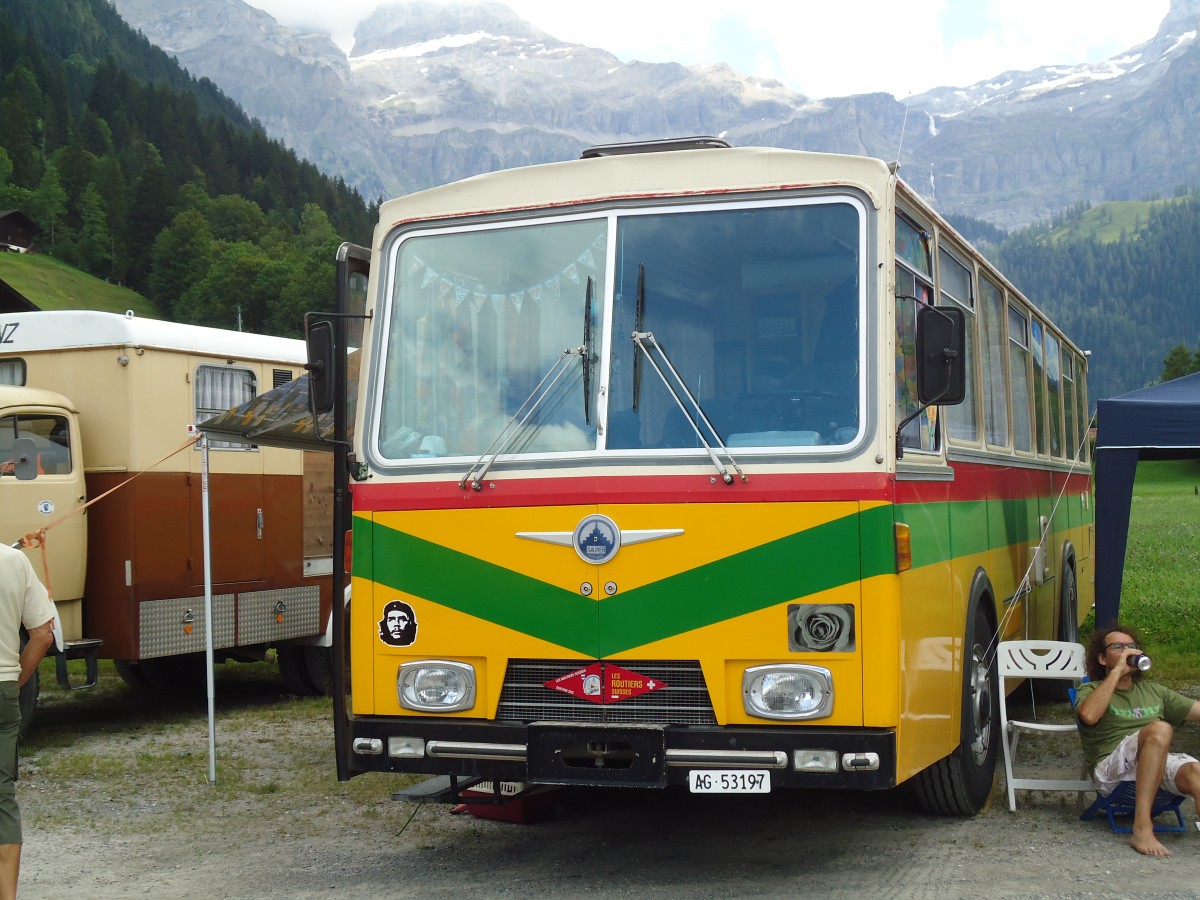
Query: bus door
point(41, 482)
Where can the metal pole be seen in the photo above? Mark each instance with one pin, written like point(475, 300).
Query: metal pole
point(208, 612)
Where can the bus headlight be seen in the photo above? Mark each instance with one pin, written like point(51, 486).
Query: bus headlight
point(787, 691)
point(435, 685)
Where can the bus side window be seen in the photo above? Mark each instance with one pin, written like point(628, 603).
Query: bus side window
point(914, 289)
point(957, 290)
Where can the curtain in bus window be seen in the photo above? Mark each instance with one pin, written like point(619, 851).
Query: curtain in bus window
point(1039, 384)
point(1070, 425)
point(1081, 410)
point(221, 388)
point(956, 289)
point(1018, 338)
point(914, 288)
point(757, 308)
point(922, 432)
point(478, 319)
point(12, 371)
point(1054, 395)
point(995, 378)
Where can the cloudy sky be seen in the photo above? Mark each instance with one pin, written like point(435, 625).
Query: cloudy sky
point(822, 48)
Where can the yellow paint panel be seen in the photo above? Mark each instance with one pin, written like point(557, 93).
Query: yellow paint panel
point(711, 531)
point(442, 633)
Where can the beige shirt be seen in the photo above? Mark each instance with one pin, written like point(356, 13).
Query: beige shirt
point(23, 601)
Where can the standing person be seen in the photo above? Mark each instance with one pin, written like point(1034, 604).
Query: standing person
point(23, 601)
point(1126, 725)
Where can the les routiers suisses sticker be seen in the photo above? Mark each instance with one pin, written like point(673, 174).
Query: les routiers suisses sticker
point(604, 683)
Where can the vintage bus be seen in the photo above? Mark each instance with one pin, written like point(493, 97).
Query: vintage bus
point(680, 464)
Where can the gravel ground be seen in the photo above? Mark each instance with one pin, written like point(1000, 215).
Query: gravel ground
point(116, 804)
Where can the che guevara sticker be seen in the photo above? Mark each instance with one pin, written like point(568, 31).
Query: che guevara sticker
point(398, 627)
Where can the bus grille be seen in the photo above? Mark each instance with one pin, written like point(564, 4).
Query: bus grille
point(684, 700)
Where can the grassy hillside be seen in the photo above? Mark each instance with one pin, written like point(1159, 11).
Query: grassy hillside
point(1108, 221)
point(50, 284)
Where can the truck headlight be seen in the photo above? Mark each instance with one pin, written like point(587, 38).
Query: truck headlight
point(787, 691)
point(435, 685)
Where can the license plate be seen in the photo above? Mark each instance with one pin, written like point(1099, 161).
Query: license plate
point(731, 781)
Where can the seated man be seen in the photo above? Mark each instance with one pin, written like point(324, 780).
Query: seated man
point(1126, 725)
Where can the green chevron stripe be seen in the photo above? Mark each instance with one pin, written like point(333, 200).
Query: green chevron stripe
point(812, 560)
point(478, 588)
point(797, 565)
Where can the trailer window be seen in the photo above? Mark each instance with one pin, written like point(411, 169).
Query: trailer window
point(219, 389)
point(12, 371)
point(51, 436)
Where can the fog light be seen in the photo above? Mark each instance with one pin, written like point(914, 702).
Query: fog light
point(406, 747)
point(436, 686)
point(815, 761)
point(787, 691)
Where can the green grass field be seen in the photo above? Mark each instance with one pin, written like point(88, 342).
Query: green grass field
point(50, 284)
point(1160, 594)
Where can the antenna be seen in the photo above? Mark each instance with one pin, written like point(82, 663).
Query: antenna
point(903, 126)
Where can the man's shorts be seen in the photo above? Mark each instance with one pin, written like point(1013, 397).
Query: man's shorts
point(10, 725)
point(1121, 765)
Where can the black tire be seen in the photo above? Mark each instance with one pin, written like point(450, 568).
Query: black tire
point(293, 669)
point(181, 675)
point(318, 662)
point(961, 784)
point(1068, 630)
point(131, 673)
point(30, 691)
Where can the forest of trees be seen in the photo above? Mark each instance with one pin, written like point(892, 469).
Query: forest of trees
point(142, 175)
point(1128, 301)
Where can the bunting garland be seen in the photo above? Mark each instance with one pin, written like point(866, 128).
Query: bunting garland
point(448, 286)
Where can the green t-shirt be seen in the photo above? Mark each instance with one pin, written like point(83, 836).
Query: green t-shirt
point(1128, 711)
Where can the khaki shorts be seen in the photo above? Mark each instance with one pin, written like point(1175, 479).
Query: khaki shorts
point(10, 724)
point(1121, 765)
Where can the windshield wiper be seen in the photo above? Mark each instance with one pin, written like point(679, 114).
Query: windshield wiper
point(527, 408)
point(639, 325)
point(586, 353)
point(678, 389)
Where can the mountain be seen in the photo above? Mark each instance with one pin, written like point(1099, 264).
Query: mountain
point(435, 91)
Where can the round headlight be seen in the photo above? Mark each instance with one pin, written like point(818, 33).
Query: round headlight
point(788, 692)
point(436, 686)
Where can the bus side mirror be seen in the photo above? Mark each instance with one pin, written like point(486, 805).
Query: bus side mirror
point(25, 459)
point(941, 355)
point(321, 371)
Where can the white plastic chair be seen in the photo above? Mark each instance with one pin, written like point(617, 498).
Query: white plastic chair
point(1037, 659)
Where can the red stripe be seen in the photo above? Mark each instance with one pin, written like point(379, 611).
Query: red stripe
point(972, 481)
point(626, 489)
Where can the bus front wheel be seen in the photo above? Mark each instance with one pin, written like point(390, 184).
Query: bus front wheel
point(960, 784)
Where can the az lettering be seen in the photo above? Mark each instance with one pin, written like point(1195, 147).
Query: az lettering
point(7, 330)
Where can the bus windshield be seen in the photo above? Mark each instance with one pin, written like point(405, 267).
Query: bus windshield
point(758, 307)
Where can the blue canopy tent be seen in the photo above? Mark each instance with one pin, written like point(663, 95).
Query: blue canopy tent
point(1159, 422)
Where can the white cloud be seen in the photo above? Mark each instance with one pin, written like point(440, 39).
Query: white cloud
point(818, 47)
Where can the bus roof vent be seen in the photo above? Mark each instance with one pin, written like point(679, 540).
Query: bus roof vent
point(700, 142)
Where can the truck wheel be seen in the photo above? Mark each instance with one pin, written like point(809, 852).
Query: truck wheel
point(960, 784)
point(293, 669)
point(29, 704)
point(131, 673)
point(1068, 630)
point(182, 674)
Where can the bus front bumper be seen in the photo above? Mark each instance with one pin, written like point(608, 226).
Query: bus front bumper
point(589, 753)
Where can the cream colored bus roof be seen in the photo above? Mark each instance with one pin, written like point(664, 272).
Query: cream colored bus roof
point(11, 396)
point(78, 329)
point(670, 173)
